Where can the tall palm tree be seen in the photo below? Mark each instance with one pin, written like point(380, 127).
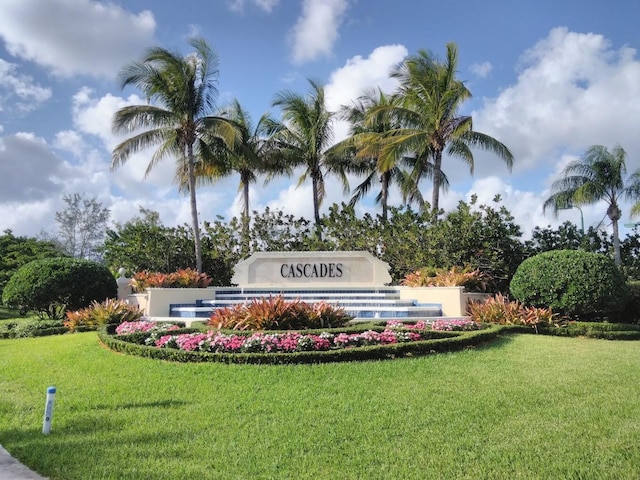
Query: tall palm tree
point(181, 91)
point(246, 157)
point(368, 160)
point(303, 138)
point(599, 175)
point(430, 97)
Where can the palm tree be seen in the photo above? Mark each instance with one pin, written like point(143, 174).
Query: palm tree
point(181, 91)
point(302, 139)
point(597, 176)
point(430, 96)
point(364, 141)
point(246, 157)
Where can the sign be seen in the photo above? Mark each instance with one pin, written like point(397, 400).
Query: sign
point(311, 269)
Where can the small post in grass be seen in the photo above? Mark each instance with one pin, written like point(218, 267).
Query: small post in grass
point(48, 410)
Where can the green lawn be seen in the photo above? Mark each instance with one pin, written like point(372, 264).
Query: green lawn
point(525, 407)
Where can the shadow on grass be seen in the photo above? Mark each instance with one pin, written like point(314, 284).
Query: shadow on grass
point(157, 404)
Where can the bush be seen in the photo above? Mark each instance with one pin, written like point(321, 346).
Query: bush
point(54, 285)
point(571, 282)
point(631, 312)
point(185, 278)
point(501, 311)
point(109, 312)
point(275, 313)
point(472, 280)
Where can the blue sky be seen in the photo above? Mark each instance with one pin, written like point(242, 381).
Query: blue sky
point(548, 78)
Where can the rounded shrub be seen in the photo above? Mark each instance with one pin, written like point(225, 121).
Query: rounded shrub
point(53, 285)
point(571, 282)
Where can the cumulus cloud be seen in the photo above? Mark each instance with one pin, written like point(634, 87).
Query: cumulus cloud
point(19, 91)
point(573, 90)
point(358, 74)
point(481, 70)
point(316, 31)
point(265, 5)
point(28, 169)
point(72, 37)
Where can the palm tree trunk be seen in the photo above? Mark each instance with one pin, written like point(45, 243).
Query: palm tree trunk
point(616, 243)
point(245, 217)
point(194, 207)
point(316, 206)
point(437, 181)
point(384, 198)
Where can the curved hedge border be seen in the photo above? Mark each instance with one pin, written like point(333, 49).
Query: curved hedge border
point(605, 331)
point(448, 341)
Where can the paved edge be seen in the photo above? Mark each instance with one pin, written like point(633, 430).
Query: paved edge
point(12, 469)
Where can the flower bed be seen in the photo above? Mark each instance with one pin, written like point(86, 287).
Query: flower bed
point(215, 341)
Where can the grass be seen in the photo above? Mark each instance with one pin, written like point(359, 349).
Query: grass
point(525, 407)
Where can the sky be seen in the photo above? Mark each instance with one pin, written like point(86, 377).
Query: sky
point(549, 79)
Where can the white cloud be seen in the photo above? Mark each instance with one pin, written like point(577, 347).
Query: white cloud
point(72, 37)
point(358, 74)
point(28, 169)
point(12, 84)
point(481, 70)
point(265, 5)
point(573, 91)
point(316, 31)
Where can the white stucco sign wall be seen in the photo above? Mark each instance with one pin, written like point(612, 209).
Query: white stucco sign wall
point(308, 269)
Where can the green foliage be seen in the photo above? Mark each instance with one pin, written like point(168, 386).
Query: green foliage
point(18, 251)
point(31, 327)
point(108, 312)
point(631, 312)
point(604, 330)
point(571, 282)
point(275, 313)
point(52, 286)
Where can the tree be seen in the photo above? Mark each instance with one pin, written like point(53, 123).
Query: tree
point(246, 157)
point(81, 226)
point(18, 251)
point(430, 96)
point(364, 140)
point(599, 175)
point(183, 89)
point(303, 138)
point(144, 243)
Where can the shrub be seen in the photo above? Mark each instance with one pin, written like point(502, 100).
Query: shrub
point(473, 280)
point(275, 313)
point(185, 278)
point(631, 312)
point(51, 286)
point(499, 310)
point(571, 282)
point(109, 312)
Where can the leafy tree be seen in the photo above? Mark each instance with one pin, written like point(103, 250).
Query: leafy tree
point(273, 231)
point(303, 139)
point(483, 237)
point(430, 97)
point(598, 176)
point(143, 243)
point(182, 91)
point(82, 225)
point(18, 251)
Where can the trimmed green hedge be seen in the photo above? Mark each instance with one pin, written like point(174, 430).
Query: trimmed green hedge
point(571, 282)
point(448, 341)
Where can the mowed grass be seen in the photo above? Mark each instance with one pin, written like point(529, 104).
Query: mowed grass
point(525, 407)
